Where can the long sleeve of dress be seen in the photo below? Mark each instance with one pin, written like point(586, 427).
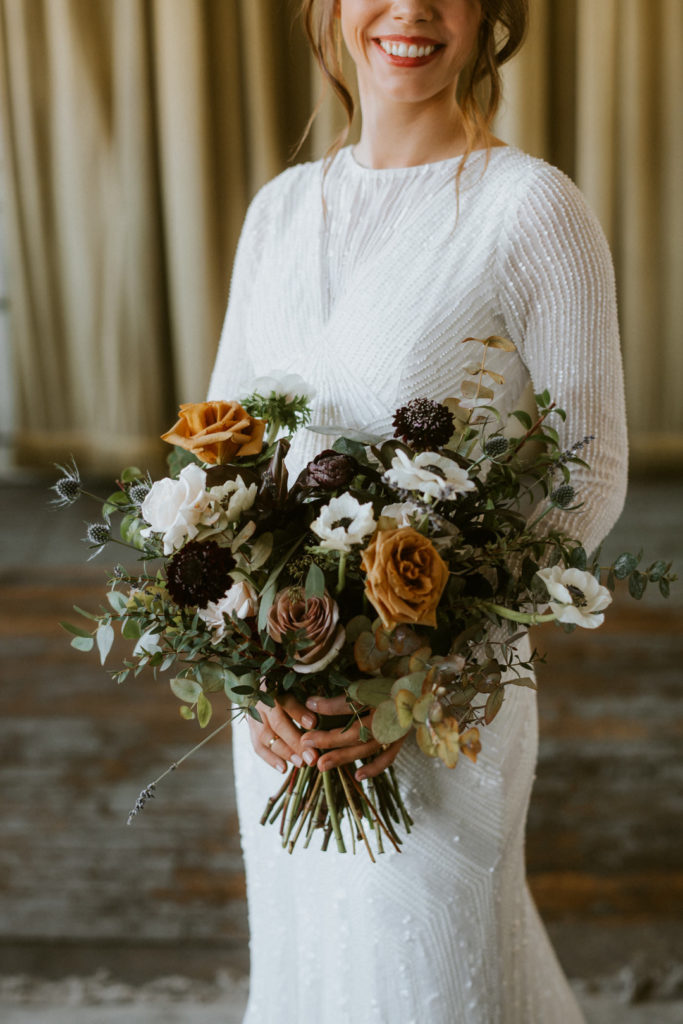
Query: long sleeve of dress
point(557, 283)
point(233, 367)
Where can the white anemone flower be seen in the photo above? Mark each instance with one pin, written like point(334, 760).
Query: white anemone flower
point(240, 600)
point(430, 473)
point(344, 522)
point(234, 497)
point(401, 513)
point(578, 597)
point(289, 385)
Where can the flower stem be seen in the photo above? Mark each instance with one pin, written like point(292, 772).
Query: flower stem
point(332, 810)
point(341, 572)
point(532, 618)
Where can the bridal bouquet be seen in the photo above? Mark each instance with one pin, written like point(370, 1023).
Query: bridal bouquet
point(401, 572)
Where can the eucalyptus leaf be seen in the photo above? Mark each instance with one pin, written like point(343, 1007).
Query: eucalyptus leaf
point(83, 643)
point(75, 630)
point(131, 473)
point(386, 727)
point(494, 704)
point(204, 710)
point(624, 565)
point(188, 690)
point(371, 692)
point(117, 600)
point(186, 713)
point(412, 682)
point(105, 639)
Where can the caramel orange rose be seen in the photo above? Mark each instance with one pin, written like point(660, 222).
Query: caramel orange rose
point(405, 577)
point(216, 431)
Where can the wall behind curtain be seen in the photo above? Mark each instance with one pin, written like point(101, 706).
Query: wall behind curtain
point(135, 131)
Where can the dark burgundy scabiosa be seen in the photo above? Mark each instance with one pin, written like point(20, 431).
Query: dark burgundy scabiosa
point(424, 424)
point(198, 573)
point(331, 469)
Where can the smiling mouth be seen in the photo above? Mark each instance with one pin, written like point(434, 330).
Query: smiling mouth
point(406, 53)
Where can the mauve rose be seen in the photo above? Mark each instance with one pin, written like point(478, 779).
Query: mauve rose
point(331, 469)
point(318, 617)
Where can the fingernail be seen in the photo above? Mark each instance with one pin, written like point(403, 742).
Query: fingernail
point(309, 756)
point(312, 704)
point(308, 721)
point(296, 760)
point(360, 776)
point(281, 767)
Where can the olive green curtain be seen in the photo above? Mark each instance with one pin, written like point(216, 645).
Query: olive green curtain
point(597, 91)
point(134, 132)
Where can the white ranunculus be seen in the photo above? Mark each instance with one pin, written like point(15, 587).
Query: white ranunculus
point(147, 644)
point(174, 508)
point(401, 513)
point(289, 385)
point(240, 600)
point(329, 525)
point(444, 482)
point(234, 497)
point(578, 597)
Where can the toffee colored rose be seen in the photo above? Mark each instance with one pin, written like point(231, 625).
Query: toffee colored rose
point(216, 431)
point(405, 577)
point(318, 618)
point(331, 469)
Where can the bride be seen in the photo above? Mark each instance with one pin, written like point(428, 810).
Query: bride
point(363, 274)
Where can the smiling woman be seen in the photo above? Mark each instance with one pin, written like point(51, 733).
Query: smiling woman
point(369, 295)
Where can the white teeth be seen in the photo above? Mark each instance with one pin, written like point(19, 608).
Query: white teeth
point(403, 50)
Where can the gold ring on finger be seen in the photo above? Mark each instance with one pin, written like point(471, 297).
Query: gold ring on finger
point(385, 746)
point(272, 740)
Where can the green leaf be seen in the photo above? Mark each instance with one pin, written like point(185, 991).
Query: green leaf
point(76, 630)
point(412, 682)
point(289, 681)
point(131, 629)
point(364, 734)
point(267, 665)
point(83, 643)
point(664, 588)
point(105, 639)
point(524, 418)
point(131, 526)
point(345, 446)
point(624, 565)
point(357, 625)
point(117, 600)
point(266, 603)
point(315, 582)
point(657, 571)
point(637, 582)
point(212, 676)
point(188, 690)
point(524, 681)
point(386, 727)
point(86, 615)
point(371, 692)
point(493, 704)
point(204, 711)
point(131, 473)
point(578, 559)
point(186, 713)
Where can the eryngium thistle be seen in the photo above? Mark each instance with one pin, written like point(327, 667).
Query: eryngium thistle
point(68, 487)
point(496, 446)
point(138, 492)
point(424, 424)
point(97, 533)
point(198, 573)
point(563, 495)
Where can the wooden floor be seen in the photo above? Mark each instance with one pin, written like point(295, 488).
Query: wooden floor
point(78, 888)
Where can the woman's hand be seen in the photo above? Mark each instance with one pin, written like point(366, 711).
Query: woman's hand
point(345, 745)
point(278, 737)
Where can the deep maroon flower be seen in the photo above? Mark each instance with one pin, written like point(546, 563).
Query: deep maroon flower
point(198, 573)
point(331, 469)
point(424, 424)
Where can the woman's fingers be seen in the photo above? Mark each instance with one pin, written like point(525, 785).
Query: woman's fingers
point(326, 739)
point(299, 712)
point(386, 757)
point(330, 705)
point(263, 740)
point(346, 755)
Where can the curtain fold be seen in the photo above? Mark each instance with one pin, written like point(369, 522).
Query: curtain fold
point(136, 131)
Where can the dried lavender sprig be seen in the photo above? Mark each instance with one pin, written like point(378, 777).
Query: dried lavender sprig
point(148, 792)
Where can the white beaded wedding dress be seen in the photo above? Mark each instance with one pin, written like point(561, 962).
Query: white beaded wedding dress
point(370, 305)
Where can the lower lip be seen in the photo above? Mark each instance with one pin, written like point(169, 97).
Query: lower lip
point(407, 62)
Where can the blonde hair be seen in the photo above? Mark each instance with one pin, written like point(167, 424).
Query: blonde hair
point(501, 33)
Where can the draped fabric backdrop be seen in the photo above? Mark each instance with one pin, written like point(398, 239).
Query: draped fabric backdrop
point(135, 132)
